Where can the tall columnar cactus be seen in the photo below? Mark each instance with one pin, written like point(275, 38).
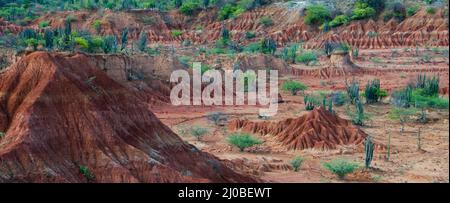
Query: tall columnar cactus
point(330, 105)
point(369, 147)
point(388, 156)
point(353, 91)
point(419, 144)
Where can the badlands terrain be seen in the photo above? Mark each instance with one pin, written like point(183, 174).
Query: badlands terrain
point(85, 91)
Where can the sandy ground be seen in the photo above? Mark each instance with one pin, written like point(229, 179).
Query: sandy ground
point(270, 161)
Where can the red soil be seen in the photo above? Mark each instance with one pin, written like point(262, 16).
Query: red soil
point(60, 113)
point(318, 129)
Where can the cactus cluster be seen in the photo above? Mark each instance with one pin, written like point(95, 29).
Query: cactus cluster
point(372, 91)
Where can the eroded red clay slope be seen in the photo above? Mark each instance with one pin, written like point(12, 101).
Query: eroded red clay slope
point(59, 114)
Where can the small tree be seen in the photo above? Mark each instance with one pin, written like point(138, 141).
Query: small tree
point(340, 167)
point(403, 115)
point(198, 132)
point(296, 163)
point(217, 117)
point(294, 87)
point(316, 15)
point(243, 141)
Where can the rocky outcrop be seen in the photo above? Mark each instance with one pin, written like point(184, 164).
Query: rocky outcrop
point(319, 129)
point(67, 121)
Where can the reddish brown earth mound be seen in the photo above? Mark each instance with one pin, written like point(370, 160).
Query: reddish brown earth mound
point(318, 129)
point(60, 114)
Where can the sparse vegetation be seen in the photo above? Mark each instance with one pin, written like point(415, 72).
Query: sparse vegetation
point(266, 21)
point(198, 132)
point(217, 117)
point(296, 163)
point(243, 141)
point(340, 167)
point(177, 33)
point(294, 87)
point(84, 170)
point(403, 115)
point(306, 57)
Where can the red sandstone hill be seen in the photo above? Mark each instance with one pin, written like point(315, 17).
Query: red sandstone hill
point(61, 115)
point(318, 129)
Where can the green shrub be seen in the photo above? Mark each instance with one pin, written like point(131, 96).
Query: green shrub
point(422, 100)
point(83, 43)
point(294, 86)
point(362, 11)
point(44, 24)
point(341, 167)
point(243, 141)
point(266, 21)
point(84, 170)
point(316, 15)
point(306, 57)
point(250, 35)
point(189, 8)
point(253, 48)
point(296, 163)
point(431, 10)
point(412, 10)
point(340, 20)
point(185, 60)
point(198, 132)
point(176, 33)
point(2, 135)
point(230, 11)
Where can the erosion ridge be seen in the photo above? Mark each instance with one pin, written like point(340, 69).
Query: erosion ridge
point(417, 30)
point(66, 121)
point(319, 129)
